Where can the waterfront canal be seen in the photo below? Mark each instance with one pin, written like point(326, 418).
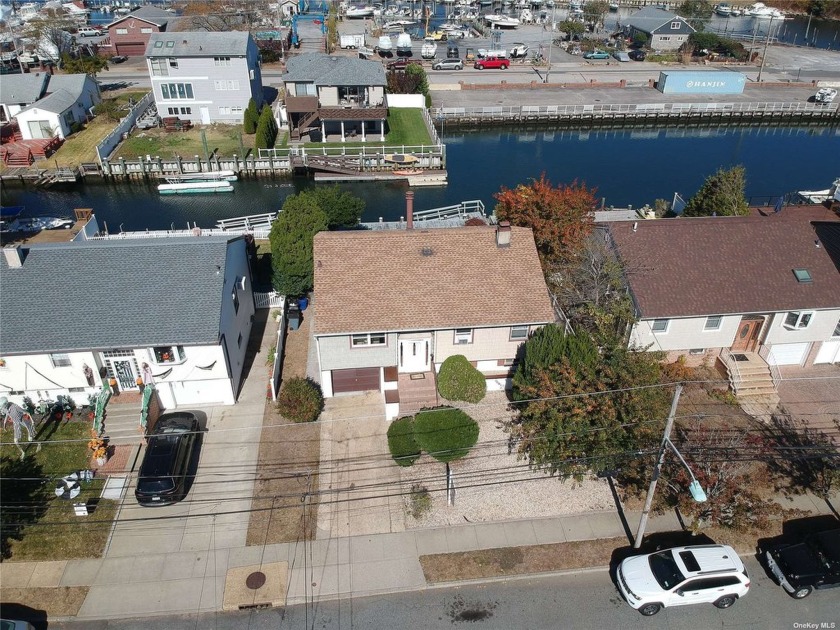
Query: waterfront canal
point(629, 166)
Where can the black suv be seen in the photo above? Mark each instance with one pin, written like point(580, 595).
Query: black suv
point(163, 474)
point(813, 563)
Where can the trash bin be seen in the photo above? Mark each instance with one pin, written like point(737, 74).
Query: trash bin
point(294, 317)
point(303, 303)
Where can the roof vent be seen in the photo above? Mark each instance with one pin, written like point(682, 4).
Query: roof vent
point(14, 256)
point(802, 275)
point(427, 251)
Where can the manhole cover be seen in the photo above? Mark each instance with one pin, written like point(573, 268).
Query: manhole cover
point(255, 580)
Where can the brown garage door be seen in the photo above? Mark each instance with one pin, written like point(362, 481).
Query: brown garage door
point(131, 49)
point(355, 380)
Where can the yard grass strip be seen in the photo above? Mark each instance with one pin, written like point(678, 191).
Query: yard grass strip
point(525, 560)
point(63, 601)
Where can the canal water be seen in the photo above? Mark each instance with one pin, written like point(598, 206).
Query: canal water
point(628, 167)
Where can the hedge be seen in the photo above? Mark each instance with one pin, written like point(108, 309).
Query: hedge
point(401, 441)
point(300, 400)
point(445, 433)
point(459, 380)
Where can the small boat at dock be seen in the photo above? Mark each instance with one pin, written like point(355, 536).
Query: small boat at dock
point(179, 187)
point(209, 176)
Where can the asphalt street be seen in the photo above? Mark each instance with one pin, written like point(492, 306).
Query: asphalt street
point(580, 600)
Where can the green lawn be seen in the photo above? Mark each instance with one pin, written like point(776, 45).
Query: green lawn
point(405, 127)
point(225, 139)
point(34, 523)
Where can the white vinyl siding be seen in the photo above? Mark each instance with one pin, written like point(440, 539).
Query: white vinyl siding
point(230, 84)
point(713, 322)
point(685, 334)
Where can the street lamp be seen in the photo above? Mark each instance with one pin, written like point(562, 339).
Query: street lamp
point(697, 492)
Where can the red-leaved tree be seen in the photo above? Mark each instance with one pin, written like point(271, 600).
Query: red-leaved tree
point(561, 217)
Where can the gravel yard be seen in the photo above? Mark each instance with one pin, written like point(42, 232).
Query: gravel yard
point(493, 485)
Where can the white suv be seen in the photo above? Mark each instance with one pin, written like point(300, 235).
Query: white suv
point(700, 574)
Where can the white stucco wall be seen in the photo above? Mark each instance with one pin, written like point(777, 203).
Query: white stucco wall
point(34, 376)
point(685, 334)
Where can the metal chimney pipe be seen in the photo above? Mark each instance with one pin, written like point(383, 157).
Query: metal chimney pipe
point(409, 210)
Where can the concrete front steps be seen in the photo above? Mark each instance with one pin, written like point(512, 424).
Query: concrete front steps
point(122, 421)
point(416, 393)
point(756, 391)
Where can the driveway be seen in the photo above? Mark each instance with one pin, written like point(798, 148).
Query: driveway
point(359, 481)
point(812, 395)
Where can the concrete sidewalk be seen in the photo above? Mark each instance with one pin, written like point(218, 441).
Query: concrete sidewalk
point(196, 581)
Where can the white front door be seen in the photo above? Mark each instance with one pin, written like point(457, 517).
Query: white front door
point(414, 355)
point(205, 115)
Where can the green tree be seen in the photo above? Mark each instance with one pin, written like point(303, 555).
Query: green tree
point(250, 118)
point(595, 10)
point(445, 433)
point(266, 130)
point(640, 39)
point(572, 28)
point(696, 12)
point(344, 210)
point(83, 64)
point(291, 244)
point(402, 442)
point(722, 194)
point(109, 108)
point(459, 380)
point(567, 428)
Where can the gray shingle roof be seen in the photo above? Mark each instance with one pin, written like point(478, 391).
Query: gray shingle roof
point(57, 102)
point(333, 70)
point(16, 89)
point(149, 14)
point(651, 18)
point(199, 44)
point(113, 294)
point(64, 91)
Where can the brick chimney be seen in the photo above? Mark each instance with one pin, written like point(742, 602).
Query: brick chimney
point(409, 210)
point(503, 234)
point(14, 257)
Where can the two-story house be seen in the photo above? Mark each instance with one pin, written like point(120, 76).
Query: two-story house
point(336, 96)
point(392, 305)
point(178, 309)
point(748, 290)
point(664, 30)
point(204, 77)
point(47, 106)
point(130, 34)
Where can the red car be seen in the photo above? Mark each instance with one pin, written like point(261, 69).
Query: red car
point(492, 62)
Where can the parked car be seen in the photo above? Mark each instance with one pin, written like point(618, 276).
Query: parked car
point(452, 51)
point(825, 95)
point(492, 62)
point(637, 55)
point(89, 31)
point(596, 54)
point(621, 56)
point(162, 479)
point(448, 64)
point(401, 64)
point(812, 563)
point(118, 59)
point(15, 624)
point(696, 574)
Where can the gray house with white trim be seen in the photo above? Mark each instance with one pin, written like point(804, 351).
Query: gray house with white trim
point(337, 95)
point(182, 306)
point(204, 77)
point(47, 105)
point(664, 30)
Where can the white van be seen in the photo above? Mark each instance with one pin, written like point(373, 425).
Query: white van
point(89, 31)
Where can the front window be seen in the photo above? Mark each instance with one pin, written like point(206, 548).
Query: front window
point(221, 61)
point(518, 333)
point(122, 31)
point(797, 320)
point(675, 26)
point(159, 68)
point(665, 570)
point(173, 63)
point(367, 339)
point(463, 336)
point(713, 322)
point(145, 30)
point(163, 355)
point(60, 360)
point(305, 89)
point(173, 91)
point(660, 325)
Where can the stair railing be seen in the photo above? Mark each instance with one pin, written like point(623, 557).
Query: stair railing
point(765, 351)
point(731, 369)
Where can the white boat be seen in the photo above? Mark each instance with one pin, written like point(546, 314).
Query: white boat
point(175, 187)
point(526, 17)
point(723, 10)
point(209, 176)
point(501, 21)
point(762, 11)
point(735, 12)
point(385, 47)
point(825, 95)
point(614, 6)
point(32, 225)
point(429, 49)
point(359, 12)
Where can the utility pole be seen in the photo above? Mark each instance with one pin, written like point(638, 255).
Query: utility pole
point(764, 54)
point(660, 460)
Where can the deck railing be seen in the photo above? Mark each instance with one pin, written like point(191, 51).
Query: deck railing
point(447, 212)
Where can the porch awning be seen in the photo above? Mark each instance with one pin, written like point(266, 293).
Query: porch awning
point(359, 113)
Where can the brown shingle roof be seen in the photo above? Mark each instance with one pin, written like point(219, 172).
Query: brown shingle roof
point(364, 113)
point(725, 265)
point(371, 281)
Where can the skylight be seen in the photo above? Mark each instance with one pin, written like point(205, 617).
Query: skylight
point(802, 275)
